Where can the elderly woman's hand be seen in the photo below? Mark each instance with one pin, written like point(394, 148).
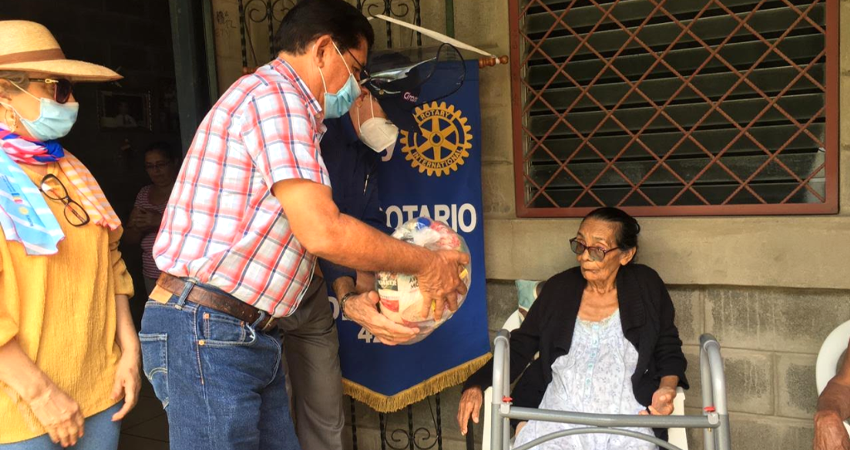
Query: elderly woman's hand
point(470, 405)
point(128, 383)
point(662, 402)
point(59, 414)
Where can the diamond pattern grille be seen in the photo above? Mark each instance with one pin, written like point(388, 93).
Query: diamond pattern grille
point(675, 107)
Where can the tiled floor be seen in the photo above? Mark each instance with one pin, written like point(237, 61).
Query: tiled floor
point(146, 427)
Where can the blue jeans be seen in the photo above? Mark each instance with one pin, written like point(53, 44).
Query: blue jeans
point(219, 379)
point(101, 433)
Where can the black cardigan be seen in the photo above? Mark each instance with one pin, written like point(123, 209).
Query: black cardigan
point(646, 313)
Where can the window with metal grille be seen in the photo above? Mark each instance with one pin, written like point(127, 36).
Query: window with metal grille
point(679, 107)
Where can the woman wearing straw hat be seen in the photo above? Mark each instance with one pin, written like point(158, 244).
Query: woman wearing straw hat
point(68, 350)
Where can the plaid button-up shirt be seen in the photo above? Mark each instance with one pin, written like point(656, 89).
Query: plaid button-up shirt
point(222, 225)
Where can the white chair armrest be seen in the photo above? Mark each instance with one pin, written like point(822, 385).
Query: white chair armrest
point(678, 436)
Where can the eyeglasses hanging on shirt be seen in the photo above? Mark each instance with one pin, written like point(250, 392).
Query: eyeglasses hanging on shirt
point(53, 189)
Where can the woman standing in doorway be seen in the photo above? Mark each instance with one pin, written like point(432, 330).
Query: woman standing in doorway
point(161, 165)
point(69, 351)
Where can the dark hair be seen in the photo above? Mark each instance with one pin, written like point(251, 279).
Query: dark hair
point(310, 19)
point(628, 227)
point(164, 148)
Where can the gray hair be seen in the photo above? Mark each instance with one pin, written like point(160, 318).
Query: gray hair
point(19, 78)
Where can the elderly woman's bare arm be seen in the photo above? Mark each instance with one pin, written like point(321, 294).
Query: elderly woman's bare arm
point(127, 378)
point(57, 412)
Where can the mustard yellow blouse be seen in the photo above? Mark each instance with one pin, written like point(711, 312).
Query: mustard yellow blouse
point(62, 310)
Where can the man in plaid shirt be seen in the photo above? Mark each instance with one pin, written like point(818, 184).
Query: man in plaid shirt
point(249, 214)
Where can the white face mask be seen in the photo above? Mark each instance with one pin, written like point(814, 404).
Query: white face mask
point(377, 133)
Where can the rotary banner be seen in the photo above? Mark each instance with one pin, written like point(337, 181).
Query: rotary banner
point(434, 173)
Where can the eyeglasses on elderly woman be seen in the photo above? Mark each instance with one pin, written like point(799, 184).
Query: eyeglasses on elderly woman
point(596, 253)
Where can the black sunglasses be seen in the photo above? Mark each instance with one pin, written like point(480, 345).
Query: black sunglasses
point(62, 88)
point(53, 189)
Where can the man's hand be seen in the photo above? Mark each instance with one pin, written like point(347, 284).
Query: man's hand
point(830, 433)
point(440, 283)
point(363, 309)
point(470, 406)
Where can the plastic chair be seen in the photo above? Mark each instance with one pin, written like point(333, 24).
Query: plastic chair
point(677, 436)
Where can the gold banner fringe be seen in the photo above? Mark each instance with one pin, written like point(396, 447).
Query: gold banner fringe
point(431, 386)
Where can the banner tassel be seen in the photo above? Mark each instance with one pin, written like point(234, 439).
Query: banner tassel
point(437, 383)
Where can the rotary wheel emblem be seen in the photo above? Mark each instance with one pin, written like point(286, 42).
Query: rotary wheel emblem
point(444, 141)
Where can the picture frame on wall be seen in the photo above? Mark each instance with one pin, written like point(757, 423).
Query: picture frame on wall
point(124, 110)
point(166, 115)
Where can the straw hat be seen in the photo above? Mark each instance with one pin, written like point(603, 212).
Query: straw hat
point(30, 47)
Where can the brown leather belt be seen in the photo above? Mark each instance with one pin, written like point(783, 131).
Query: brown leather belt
point(218, 301)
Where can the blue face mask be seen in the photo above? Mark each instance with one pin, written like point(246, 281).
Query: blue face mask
point(336, 105)
point(54, 121)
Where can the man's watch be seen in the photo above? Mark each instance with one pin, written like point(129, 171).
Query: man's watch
point(342, 303)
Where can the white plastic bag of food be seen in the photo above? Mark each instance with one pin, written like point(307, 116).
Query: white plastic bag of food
point(401, 300)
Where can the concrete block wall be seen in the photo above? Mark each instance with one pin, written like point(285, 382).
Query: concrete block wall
point(770, 339)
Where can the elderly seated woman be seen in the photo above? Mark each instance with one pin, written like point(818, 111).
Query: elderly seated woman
point(606, 337)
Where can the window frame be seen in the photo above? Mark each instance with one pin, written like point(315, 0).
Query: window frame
point(831, 161)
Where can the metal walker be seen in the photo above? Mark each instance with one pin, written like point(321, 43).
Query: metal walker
point(714, 421)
